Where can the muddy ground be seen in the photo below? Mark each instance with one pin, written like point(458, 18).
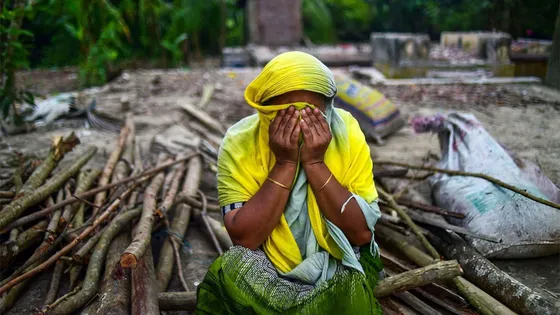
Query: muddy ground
point(525, 118)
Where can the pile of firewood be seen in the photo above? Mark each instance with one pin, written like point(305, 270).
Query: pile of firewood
point(93, 228)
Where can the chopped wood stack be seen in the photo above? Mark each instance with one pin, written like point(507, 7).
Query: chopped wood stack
point(93, 229)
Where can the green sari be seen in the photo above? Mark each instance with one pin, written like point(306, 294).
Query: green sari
point(242, 281)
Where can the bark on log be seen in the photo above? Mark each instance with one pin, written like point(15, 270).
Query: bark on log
point(25, 240)
point(444, 270)
point(85, 181)
point(217, 228)
point(393, 204)
point(108, 169)
point(207, 120)
point(7, 194)
point(59, 148)
point(51, 233)
point(429, 208)
point(481, 300)
point(169, 197)
point(18, 206)
point(55, 283)
point(416, 304)
point(177, 301)
point(40, 253)
point(137, 179)
point(191, 201)
point(494, 281)
point(419, 218)
point(143, 233)
point(114, 295)
point(144, 289)
point(81, 256)
point(181, 218)
point(96, 263)
point(491, 179)
point(107, 212)
point(440, 271)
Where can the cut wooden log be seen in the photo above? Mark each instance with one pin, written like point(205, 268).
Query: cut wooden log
point(143, 232)
point(144, 289)
point(217, 228)
point(175, 301)
point(491, 179)
point(18, 206)
point(402, 213)
point(25, 240)
point(137, 179)
point(85, 233)
point(59, 148)
point(444, 270)
point(181, 218)
point(494, 281)
point(85, 181)
point(95, 266)
point(81, 256)
point(115, 291)
point(108, 169)
point(205, 119)
point(55, 283)
point(429, 208)
point(191, 201)
point(416, 303)
point(481, 300)
point(419, 218)
point(7, 194)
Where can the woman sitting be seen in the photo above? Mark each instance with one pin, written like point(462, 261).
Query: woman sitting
point(296, 189)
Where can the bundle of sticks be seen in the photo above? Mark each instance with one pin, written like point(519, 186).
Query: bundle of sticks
point(92, 228)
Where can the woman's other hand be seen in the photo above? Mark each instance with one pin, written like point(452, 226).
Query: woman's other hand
point(283, 136)
point(316, 136)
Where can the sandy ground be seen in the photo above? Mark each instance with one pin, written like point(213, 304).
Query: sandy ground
point(524, 118)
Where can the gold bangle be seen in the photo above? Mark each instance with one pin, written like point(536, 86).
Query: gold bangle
point(278, 183)
point(325, 184)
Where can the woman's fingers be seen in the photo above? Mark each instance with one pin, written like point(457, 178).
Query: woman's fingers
point(315, 121)
point(273, 128)
point(291, 122)
point(322, 120)
point(307, 135)
point(294, 138)
point(308, 123)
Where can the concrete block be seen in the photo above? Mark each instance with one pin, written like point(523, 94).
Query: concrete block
point(490, 46)
point(395, 48)
point(274, 22)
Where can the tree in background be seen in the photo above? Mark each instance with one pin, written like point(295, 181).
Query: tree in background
point(553, 71)
point(13, 56)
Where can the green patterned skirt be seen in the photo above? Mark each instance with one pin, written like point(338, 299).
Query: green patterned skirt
point(242, 281)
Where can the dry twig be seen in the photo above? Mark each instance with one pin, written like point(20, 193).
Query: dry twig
point(478, 175)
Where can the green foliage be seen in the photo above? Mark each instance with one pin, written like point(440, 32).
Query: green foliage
point(100, 35)
point(13, 56)
point(318, 22)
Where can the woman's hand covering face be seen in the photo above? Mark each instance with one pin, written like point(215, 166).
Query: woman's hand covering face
point(283, 136)
point(316, 136)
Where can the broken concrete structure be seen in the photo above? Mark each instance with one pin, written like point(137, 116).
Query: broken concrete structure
point(395, 48)
point(274, 23)
point(490, 46)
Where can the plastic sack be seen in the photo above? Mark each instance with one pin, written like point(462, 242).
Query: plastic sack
point(378, 117)
point(527, 228)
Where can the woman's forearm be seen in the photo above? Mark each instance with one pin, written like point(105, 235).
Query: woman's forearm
point(250, 225)
point(331, 198)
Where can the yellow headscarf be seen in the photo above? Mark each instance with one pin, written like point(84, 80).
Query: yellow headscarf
point(245, 158)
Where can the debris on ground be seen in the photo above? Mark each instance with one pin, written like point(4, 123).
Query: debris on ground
point(135, 224)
